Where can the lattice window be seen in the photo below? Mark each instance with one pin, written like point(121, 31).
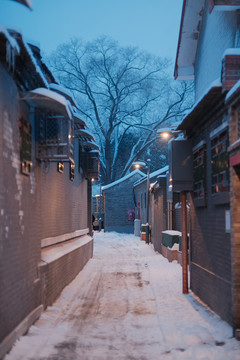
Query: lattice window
point(220, 163)
point(54, 137)
point(199, 172)
point(99, 206)
point(25, 128)
point(89, 162)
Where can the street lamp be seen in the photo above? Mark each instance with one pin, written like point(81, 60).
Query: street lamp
point(146, 165)
point(168, 133)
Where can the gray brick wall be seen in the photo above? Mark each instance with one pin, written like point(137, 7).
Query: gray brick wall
point(210, 244)
point(118, 199)
point(20, 288)
point(44, 204)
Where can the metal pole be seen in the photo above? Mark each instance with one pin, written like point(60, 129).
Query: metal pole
point(147, 204)
point(184, 244)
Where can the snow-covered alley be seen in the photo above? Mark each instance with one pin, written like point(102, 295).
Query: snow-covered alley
point(126, 304)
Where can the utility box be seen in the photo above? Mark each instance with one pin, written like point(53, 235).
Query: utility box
point(180, 166)
point(137, 227)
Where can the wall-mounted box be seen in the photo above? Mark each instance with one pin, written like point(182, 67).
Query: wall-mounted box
point(180, 166)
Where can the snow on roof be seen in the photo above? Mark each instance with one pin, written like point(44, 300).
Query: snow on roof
point(77, 116)
point(216, 84)
point(152, 175)
point(84, 132)
point(46, 93)
point(233, 90)
point(159, 171)
point(134, 172)
point(231, 51)
point(11, 39)
point(38, 69)
point(64, 91)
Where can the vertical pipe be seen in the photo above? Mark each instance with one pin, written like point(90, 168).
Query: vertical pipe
point(147, 227)
point(184, 244)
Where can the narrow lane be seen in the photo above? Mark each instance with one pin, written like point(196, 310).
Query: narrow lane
point(126, 304)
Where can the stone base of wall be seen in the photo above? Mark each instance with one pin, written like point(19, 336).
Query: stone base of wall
point(20, 330)
point(170, 254)
point(60, 264)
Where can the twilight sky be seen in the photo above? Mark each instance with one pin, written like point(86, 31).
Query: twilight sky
point(152, 25)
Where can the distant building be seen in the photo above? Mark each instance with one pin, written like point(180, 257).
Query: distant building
point(119, 203)
point(47, 160)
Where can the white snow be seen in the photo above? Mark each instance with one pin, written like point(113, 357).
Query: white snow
point(54, 96)
point(136, 171)
point(85, 132)
point(127, 303)
point(64, 91)
point(38, 69)
point(233, 90)
point(231, 51)
point(172, 232)
point(11, 40)
point(216, 83)
point(152, 175)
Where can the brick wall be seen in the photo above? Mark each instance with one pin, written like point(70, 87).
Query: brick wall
point(65, 268)
point(44, 204)
point(20, 286)
point(235, 210)
point(230, 71)
point(210, 244)
point(118, 199)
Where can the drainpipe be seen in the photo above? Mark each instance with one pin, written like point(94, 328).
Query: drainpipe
point(184, 243)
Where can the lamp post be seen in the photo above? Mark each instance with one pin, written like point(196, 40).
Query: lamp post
point(168, 133)
point(137, 165)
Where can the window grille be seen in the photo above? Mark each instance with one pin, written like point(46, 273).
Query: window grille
point(25, 128)
point(54, 137)
point(219, 163)
point(199, 172)
point(89, 162)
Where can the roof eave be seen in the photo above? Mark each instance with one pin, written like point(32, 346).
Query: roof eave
point(188, 39)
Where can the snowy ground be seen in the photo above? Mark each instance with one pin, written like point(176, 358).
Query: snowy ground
point(126, 304)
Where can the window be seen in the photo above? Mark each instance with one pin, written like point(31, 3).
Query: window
point(219, 163)
point(71, 170)
point(54, 136)
point(25, 128)
point(199, 171)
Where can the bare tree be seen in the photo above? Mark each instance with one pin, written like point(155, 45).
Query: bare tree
point(120, 91)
